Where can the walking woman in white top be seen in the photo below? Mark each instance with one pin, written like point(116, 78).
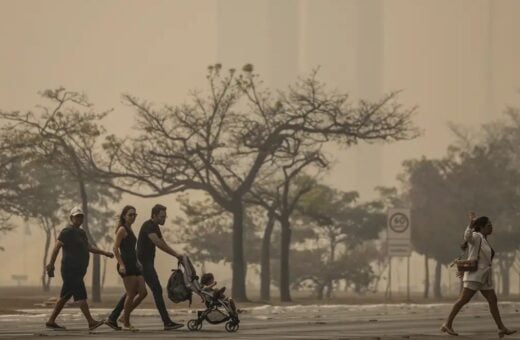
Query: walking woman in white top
point(481, 280)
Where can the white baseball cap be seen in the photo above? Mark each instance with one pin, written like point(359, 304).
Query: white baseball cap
point(76, 211)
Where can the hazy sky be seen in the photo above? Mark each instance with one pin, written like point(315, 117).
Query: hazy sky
point(456, 59)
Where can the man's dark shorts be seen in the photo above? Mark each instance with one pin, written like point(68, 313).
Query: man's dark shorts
point(73, 286)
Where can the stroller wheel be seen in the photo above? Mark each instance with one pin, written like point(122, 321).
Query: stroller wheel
point(194, 325)
point(232, 327)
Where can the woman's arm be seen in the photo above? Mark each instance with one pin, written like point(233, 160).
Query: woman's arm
point(120, 235)
point(468, 233)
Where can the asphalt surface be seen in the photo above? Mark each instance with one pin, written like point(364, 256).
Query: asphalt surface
point(385, 321)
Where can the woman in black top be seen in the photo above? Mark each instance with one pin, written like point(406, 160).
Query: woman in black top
point(127, 264)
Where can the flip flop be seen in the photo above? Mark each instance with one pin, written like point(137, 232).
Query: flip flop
point(54, 326)
point(130, 328)
point(450, 331)
point(112, 324)
point(96, 324)
point(505, 331)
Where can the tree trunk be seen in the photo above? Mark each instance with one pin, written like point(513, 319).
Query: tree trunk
point(426, 293)
point(332, 258)
point(330, 286)
point(505, 282)
point(388, 292)
point(319, 291)
point(96, 263)
point(265, 261)
point(238, 263)
point(519, 283)
point(505, 266)
point(46, 281)
point(104, 275)
point(96, 278)
point(381, 268)
point(437, 282)
point(285, 292)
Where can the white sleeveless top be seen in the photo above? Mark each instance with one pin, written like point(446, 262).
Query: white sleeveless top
point(484, 273)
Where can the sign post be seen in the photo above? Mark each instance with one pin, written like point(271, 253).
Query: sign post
point(399, 234)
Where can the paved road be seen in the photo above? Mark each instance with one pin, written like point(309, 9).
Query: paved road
point(293, 322)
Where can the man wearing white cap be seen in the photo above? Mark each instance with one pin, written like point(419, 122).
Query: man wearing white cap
point(74, 265)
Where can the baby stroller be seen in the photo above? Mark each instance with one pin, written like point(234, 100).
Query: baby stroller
point(184, 281)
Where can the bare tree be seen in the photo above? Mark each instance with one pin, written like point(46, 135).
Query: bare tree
point(64, 135)
point(219, 142)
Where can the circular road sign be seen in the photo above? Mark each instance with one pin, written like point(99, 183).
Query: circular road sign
point(399, 222)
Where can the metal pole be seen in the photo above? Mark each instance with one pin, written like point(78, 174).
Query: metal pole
point(449, 280)
point(390, 277)
point(408, 278)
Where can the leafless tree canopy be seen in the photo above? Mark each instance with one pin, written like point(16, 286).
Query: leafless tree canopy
point(221, 139)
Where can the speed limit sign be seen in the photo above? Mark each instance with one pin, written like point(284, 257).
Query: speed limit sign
point(399, 234)
point(399, 222)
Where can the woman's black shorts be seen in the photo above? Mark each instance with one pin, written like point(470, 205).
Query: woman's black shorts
point(132, 269)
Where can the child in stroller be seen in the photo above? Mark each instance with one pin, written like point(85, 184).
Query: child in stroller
point(208, 285)
point(219, 308)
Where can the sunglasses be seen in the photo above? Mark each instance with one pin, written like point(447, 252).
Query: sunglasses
point(132, 215)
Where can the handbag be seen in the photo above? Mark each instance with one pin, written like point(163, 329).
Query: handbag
point(468, 265)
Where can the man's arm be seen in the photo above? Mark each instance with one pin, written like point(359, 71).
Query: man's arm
point(161, 244)
point(54, 254)
point(94, 250)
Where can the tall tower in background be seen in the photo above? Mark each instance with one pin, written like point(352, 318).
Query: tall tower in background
point(264, 33)
point(285, 39)
point(370, 73)
point(489, 85)
point(345, 39)
point(463, 71)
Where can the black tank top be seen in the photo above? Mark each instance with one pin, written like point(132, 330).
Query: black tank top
point(127, 247)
